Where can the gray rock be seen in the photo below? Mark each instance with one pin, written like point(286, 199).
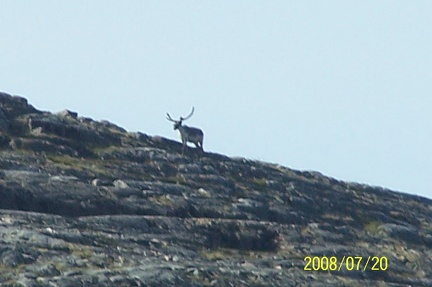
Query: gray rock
point(67, 113)
point(404, 232)
point(118, 183)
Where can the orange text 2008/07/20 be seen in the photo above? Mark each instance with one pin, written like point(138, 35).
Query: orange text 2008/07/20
point(350, 263)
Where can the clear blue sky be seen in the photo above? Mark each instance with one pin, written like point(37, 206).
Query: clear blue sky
point(340, 87)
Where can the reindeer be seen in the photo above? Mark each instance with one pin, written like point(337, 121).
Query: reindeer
point(188, 134)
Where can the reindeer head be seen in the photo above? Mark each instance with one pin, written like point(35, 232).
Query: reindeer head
point(178, 124)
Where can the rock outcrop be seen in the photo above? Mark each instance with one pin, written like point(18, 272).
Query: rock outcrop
point(86, 203)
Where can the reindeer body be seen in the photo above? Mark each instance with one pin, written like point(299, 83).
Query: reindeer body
point(188, 134)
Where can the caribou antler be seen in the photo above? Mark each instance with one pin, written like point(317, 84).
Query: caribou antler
point(170, 118)
point(188, 116)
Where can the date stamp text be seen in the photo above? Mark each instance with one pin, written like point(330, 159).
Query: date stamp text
point(350, 263)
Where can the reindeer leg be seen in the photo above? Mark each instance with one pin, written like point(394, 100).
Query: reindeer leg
point(184, 146)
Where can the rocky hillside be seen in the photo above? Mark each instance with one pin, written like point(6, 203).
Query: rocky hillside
point(86, 203)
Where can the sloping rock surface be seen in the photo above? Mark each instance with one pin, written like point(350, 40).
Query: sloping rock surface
point(86, 203)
